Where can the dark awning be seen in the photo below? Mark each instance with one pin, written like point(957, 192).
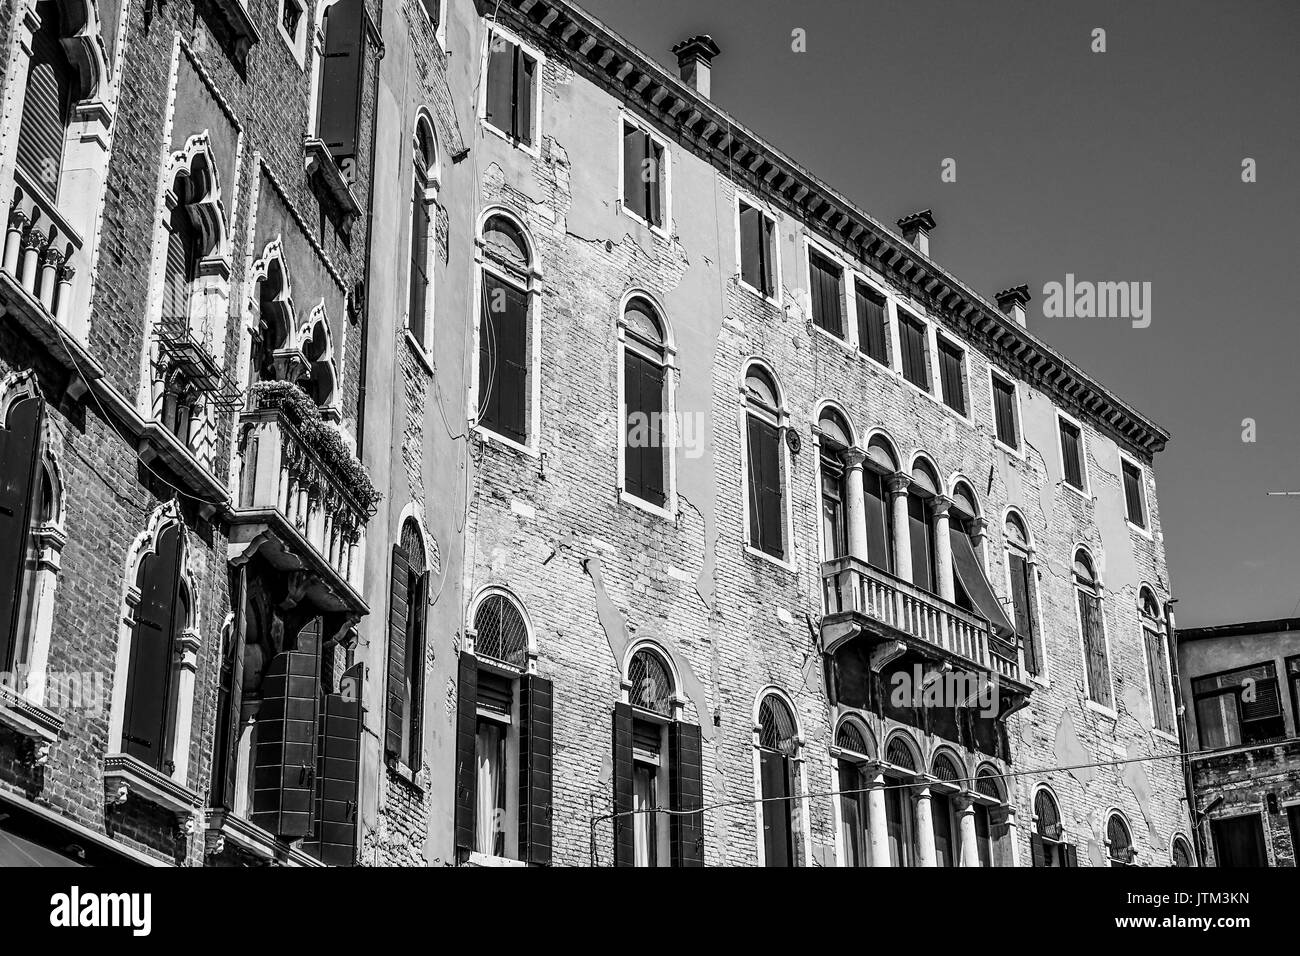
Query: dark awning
point(16, 851)
point(972, 578)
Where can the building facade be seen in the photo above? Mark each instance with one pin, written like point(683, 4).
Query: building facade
point(1241, 685)
point(508, 457)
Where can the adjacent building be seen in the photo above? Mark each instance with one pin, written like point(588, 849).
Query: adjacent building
point(1241, 685)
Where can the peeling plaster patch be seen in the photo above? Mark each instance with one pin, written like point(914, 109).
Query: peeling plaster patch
point(1096, 852)
point(1118, 568)
point(784, 616)
point(1136, 706)
point(602, 545)
point(677, 574)
point(1039, 426)
point(1070, 750)
point(1135, 778)
point(522, 508)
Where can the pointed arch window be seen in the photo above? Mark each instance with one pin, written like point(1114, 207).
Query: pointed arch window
point(47, 103)
point(25, 492)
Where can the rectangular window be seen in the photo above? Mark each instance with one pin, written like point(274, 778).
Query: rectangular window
point(644, 175)
point(1162, 705)
point(1072, 453)
point(1135, 505)
point(945, 846)
point(1238, 707)
point(503, 360)
point(511, 86)
point(490, 787)
point(342, 76)
point(879, 553)
point(757, 250)
point(853, 815)
point(644, 453)
point(916, 354)
point(1239, 841)
point(898, 820)
point(765, 498)
point(983, 835)
point(1005, 412)
point(918, 521)
point(1024, 619)
point(644, 825)
point(952, 376)
point(826, 281)
point(873, 323)
point(778, 832)
point(834, 532)
point(419, 264)
point(1094, 648)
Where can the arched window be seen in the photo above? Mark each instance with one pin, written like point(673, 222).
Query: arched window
point(778, 746)
point(159, 617)
point(28, 505)
point(943, 816)
point(1022, 584)
point(423, 239)
point(47, 103)
point(835, 440)
point(505, 383)
point(320, 379)
point(920, 525)
point(764, 462)
point(652, 683)
point(646, 422)
point(276, 318)
point(1157, 658)
point(880, 467)
point(967, 561)
point(1180, 854)
point(502, 634)
point(851, 741)
point(408, 609)
point(1119, 842)
point(1092, 628)
point(651, 695)
point(988, 840)
point(900, 821)
point(1047, 842)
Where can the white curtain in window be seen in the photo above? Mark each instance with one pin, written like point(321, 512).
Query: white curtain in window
point(488, 813)
point(643, 823)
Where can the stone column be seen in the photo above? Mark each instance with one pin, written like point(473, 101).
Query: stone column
point(943, 548)
point(924, 819)
point(1005, 818)
point(855, 504)
point(187, 662)
point(898, 485)
point(877, 820)
point(970, 854)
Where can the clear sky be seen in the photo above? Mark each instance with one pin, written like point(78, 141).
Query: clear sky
point(1116, 166)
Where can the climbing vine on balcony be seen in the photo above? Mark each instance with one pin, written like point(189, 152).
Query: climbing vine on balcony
point(322, 437)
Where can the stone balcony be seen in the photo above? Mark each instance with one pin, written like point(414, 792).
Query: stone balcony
point(43, 254)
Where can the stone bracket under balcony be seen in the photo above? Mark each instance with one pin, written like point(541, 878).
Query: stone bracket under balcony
point(227, 830)
point(324, 169)
point(125, 777)
point(38, 726)
point(268, 533)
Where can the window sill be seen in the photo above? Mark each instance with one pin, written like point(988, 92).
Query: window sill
point(402, 772)
point(421, 354)
point(226, 826)
point(764, 556)
point(1081, 492)
point(661, 231)
point(488, 435)
point(871, 360)
point(1139, 530)
point(124, 776)
point(28, 719)
point(529, 148)
point(1096, 708)
point(657, 511)
point(841, 341)
point(240, 23)
point(1164, 735)
point(1017, 453)
point(324, 169)
point(772, 300)
point(483, 859)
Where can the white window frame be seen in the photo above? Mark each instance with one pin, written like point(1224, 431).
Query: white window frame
point(1016, 410)
point(1125, 457)
point(1110, 711)
point(782, 421)
point(969, 397)
point(512, 767)
point(432, 184)
point(798, 786)
point(1158, 626)
point(531, 287)
point(1083, 492)
point(891, 330)
point(440, 31)
point(669, 510)
point(491, 29)
point(813, 244)
point(297, 44)
point(1034, 594)
point(931, 356)
point(628, 118)
point(768, 216)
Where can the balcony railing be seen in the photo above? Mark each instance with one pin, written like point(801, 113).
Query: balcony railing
point(42, 252)
point(305, 483)
point(853, 586)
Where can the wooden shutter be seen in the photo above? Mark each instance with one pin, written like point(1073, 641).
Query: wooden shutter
point(950, 373)
point(1004, 401)
point(765, 510)
point(1094, 643)
point(1020, 604)
point(751, 248)
point(1133, 498)
point(654, 185)
point(879, 553)
point(419, 263)
point(624, 828)
point(686, 793)
point(774, 773)
point(634, 157)
point(1071, 855)
point(500, 83)
point(342, 76)
point(826, 306)
point(912, 340)
point(466, 740)
point(871, 324)
point(338, 763)
point(522, 126)
point(225, 765)
point(1037, 850)
point(918, 527)
point(19, 463)
point(536, 730)
point(1071, 452)
point(284, 761)
point(503, 359)
point(148, 686)
point(46, 106)
point(643, 388)
point(397, 620)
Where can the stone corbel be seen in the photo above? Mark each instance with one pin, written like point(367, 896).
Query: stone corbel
point(885, 653)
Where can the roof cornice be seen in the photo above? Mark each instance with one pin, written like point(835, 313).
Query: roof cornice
point(600, 53)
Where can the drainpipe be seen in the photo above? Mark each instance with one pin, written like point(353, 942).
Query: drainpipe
point(1193, 813)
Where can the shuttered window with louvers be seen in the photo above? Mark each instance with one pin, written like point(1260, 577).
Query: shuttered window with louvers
point(284, 761)
point(19, 465)
point(46, 104)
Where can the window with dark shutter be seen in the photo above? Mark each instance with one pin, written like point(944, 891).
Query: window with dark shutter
point(757, 254)
point(338, 759)
point(952, 376)
point(342, 76)
point(686, 793)
point(765, 494)
point(1020, 590)
point(536, 728)
point(1094, 646)
point(912, 344)
point(47, 104)
point(182, 257)
point(157, 618)
point(466, 749)
point(643, 174)
point(777, 746)
point(827, 284)
point(918, 528)
point(624, 768)
point(1162, 707)
point(417, 586)
point(879, 517)
point(284, 759)
point(19, 465)
point(395, 713)
point(1072, 453)
point(434, 9)
point(503, 359)
point(1134, 495)
point(509, 95)
point(873, 323)
point(644, 451)
point(419, 262)
point(1004, 412)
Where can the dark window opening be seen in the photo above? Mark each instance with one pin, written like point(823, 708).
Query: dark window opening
point(644, 176)
point(952, 376)
point(827, 285)
point(342, 78)
point(757, 250)
point(1004, 412)
point(1072, 453)
point(1239, 841)
point(645, 452)
point(834, 524)
point(912, 342)
point(1238, 707)
point(503, 359)
point(766, 510)
point(1021, 588)
point(20, 441)
point(510, 87)
point(873, 324)
point(1134, 495)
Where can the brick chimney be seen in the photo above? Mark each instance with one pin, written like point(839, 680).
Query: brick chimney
point(694, 58)
point(916, 230)
point(1012, 302)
